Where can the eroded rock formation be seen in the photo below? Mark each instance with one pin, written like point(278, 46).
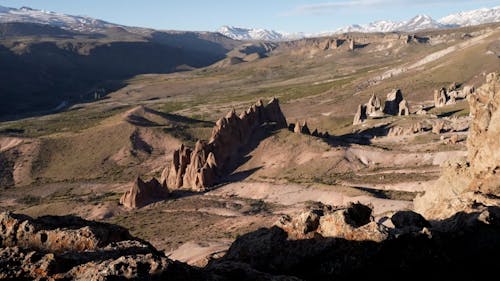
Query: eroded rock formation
point(446, 96)
point(392, 102)
point(472, 185)
point(360, 115)
point(144, 193)
point(374, 106)
point(439, 97)
point(403, 108)
point(484, 137)
point(201, 168)
point(303, 128)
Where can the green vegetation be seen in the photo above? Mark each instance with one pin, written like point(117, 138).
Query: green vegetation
point(70, 121)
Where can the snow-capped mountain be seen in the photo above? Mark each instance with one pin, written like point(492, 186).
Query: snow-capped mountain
point(76, 23)
point(241, 33)
point(473, 17)
point(417, 23)
point(420, 22)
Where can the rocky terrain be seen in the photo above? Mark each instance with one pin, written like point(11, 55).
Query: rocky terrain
point(320, 243)
point(379, 160)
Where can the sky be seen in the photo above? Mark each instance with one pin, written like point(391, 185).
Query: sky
point(281, 15)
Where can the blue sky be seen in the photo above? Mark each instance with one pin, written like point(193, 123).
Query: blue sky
point(282, 15)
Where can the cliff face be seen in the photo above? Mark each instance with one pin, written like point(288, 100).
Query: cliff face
point(475, 183)
point(484, 137)
point(201, 167)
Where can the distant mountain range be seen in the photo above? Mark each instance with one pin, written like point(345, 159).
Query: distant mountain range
point(88, 24)
point(420, 22)
point(68, 22)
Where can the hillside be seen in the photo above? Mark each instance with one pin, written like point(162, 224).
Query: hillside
point(88, 158)
point(47, 68)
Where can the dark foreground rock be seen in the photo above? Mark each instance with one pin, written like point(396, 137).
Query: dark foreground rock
point(70, 248)
point(451, 249)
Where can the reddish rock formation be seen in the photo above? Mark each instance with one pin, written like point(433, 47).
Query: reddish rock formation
point(144, 193)
point(201, 168)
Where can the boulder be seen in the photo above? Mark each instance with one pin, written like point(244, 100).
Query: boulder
point(404, 219)
point(70, 248)
point(392, 102)
point(144, 193)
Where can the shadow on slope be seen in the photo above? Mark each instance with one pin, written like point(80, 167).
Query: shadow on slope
point(469, 250)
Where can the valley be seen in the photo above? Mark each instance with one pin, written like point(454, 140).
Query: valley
point(288, 127)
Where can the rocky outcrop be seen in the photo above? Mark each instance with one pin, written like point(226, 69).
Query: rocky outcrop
point(392, 102)
point(346, 243)
point(144, 193)
point(438, 127)
point(450, 95)
point(403, 108)
point(414, 128)
point(440, 98)
point(353, 222)
point(466, 91)
point(202, 167)
point(360, 115)
point(472, 185)
point(374, 106)
point(302, 128)
point(70, 248)
point(483, 141)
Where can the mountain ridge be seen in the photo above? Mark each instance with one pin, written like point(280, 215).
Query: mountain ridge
point(418, 22)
